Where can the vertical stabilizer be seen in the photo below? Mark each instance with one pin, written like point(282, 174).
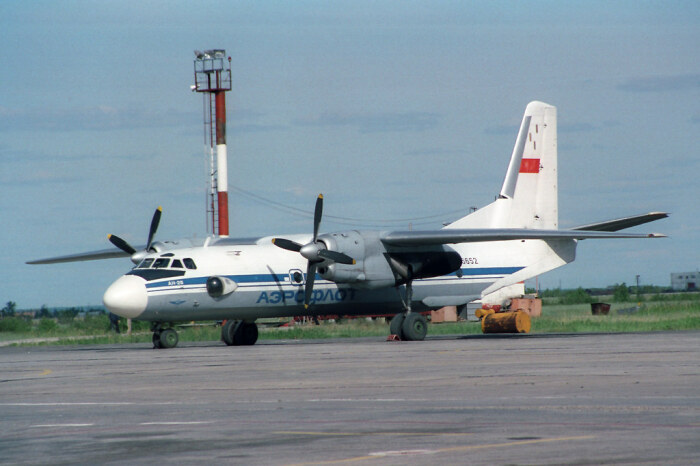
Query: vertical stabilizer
point(528, 197)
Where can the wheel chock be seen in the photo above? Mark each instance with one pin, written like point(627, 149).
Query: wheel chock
point(393, 338)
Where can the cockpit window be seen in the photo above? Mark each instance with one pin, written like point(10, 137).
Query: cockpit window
point(189, 263)
point(164, 262)
point(146, 263)
point(161, 263)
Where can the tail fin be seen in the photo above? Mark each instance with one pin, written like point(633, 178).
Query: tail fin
point(528, 197)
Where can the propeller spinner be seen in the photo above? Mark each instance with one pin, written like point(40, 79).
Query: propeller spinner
point(315, 252)
point(127, 248)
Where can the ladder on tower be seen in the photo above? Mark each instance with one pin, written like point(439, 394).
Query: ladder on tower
point(212, 220)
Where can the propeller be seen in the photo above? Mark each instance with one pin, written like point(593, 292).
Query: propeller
point(314, 252)
point(126, 247)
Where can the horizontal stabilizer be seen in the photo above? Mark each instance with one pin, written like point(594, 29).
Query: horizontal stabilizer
point(442, 301)
point(622, 223)
point(427, 238)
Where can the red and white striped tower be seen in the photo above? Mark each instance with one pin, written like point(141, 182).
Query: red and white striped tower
point(212, 76)
point(221, 162)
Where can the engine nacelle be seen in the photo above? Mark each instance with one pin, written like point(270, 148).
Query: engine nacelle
point(378, 267)
point(156, 246)
point(425, 264)
point(220, 286)
point(351, 243)
point(342, 274)
point(371, 269)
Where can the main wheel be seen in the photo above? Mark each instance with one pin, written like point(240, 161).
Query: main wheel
point(396, 325)
point(156, 340)
point(246, 333)
point(414, 327)
point(168, 338)
point(227, 332)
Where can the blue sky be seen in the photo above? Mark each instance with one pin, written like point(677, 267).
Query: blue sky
point(393, 110)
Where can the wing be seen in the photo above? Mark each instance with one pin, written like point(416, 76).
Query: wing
point(110, 253)
point(426, 238)
point(124, 248)
point(622, 223)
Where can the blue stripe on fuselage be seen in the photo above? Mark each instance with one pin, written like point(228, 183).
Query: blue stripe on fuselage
point(471, 271)
point(280, 278)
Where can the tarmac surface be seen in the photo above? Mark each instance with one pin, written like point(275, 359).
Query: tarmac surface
point(487, 399)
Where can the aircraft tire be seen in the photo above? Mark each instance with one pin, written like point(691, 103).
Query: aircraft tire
point(246, 333)
point(414, 327)
point(396, 325)
point(227, 332)
point(168, 338)
point(156, 340)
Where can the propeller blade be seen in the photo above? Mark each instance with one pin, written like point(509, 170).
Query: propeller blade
point(309, 287)
point(318, 212)
point(336, 257)
point(154, 226)
point(314, 252)
point(287, 244)
point(121, 244)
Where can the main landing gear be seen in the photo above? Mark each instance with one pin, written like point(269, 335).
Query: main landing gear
point(239, 333)
point(164, 338)
point(409, 326)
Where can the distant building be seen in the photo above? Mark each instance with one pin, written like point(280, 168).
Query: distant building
point(685, 281)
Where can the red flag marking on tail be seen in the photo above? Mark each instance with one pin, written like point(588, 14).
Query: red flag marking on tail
point(530, 166)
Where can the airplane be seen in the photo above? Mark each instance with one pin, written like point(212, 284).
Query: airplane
point(360, 272)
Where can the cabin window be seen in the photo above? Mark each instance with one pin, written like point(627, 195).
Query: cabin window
point(176, 264)
point(189, 263)
point(161, 263)
point(146, 263)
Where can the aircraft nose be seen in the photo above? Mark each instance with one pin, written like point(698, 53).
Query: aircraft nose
point(126, 297)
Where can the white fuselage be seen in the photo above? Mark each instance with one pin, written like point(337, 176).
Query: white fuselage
point(269, 282)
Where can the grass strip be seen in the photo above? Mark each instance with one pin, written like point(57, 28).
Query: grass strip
point(576, 318)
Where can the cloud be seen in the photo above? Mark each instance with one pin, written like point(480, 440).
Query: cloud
point(107, 118)
point(680, 82)
point(98, 118)
point(255, 128)
point(377, 123)
point(678, 163)
point(576, 127)
point(43, 177)
point(435, 152)
point(502, 129)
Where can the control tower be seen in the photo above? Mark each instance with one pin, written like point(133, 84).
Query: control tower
point(212, 77)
